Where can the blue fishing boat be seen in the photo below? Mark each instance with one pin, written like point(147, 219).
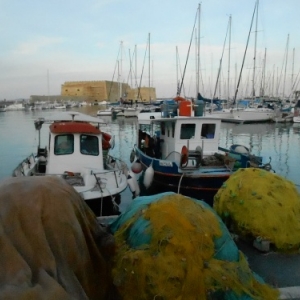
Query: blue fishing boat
point(181, 153)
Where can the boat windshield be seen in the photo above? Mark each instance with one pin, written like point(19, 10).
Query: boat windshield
point(187, 131)
point(208, 131)
point(64, 144)
point(89, 145)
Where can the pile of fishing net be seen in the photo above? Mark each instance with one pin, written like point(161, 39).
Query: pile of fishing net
point(173, 247)
point(257, 204)
point(52, 246)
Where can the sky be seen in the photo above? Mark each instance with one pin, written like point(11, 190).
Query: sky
point(150, 42)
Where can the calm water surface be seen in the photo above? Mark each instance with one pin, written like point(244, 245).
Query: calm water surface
point(281, 142)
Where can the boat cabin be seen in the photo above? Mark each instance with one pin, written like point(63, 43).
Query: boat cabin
point(165, 138)
point(73, 147)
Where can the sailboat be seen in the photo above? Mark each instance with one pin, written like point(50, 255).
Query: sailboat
point(253, 113)
point(296, 118)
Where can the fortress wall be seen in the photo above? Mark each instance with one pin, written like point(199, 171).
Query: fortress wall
point(96, 91)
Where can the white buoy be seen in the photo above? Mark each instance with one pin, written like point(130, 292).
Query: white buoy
point(241, 149)
point(148, 177)
point(136, 167)
point(133, 184)
point(130, 181)
point(136, 184)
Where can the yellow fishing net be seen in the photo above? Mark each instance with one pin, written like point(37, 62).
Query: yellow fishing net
point(173, 247)
point(255, 203)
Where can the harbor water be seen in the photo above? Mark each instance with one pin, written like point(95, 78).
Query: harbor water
point(279, 141)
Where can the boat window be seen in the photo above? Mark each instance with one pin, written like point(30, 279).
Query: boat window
point(64, 144)
point(89, 145)
point(173, 129)
point(187, 131)
point(208, 131)
point(163, 128)
point(146, 128)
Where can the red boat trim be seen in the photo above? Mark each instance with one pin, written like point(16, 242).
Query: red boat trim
point(74, 127)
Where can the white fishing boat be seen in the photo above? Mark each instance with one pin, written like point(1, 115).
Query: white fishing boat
point(78, 151)
point(104, 112)
point(15, 106)
point(132, 112)
point(110, 111)
point(2, 107)
point(296, 117)
point(60, 106)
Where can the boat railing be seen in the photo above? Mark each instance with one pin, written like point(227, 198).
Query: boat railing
point(77, 179)
point(113, 163)
point(172, 152)
point(115, 171)
point(27, 165)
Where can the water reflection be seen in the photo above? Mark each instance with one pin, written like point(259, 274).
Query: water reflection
point(279, 141)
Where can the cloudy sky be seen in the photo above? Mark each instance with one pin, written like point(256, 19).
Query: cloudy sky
point(46, 43)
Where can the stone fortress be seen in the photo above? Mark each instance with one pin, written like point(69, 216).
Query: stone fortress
point(97, 91)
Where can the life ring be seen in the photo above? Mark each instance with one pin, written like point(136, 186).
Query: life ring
point(184, 156)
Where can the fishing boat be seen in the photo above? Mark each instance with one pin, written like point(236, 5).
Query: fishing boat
point(181, 153)
point(296, 117)
point(78, 151)
point(2, 107)
point(132, 112)
point(111, 111)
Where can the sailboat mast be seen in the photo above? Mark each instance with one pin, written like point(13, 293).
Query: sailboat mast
point(286, 57)
point(182, 79)
point(131, 58)
point(149, 68)
point(240, 76)
point(177, 78)
point(198, 52)
point(48, 90)
point(254, 58)
point(135, 67)
point(229, 45)
point(118, 62)
point(262, 89)
point(292, 83)
point(120, 73)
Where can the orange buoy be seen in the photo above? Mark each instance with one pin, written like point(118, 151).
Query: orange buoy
point(184, 156)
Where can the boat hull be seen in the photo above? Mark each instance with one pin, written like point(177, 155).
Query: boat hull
point(296, 119)
point(201, 187)
point(202, 183)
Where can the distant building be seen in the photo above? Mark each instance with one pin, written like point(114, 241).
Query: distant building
point(97, 91)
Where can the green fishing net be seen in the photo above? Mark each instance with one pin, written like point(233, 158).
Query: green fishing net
point(172, 247)
point(257, 204)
